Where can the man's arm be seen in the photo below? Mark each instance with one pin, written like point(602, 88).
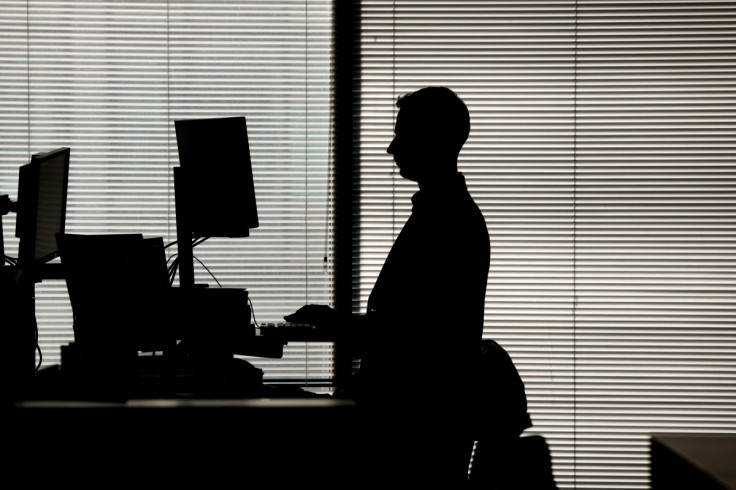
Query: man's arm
point(345, 327)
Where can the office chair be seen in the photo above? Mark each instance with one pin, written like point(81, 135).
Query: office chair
point(504, 458)
point(523, 463)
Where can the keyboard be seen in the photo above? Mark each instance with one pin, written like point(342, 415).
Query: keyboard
point(293, 332)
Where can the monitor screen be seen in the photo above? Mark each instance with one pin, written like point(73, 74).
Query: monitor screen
point(42, 196)
point(219, 195)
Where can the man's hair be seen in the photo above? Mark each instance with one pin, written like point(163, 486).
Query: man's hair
point(439, 112)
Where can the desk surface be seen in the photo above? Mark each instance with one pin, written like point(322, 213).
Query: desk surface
point(320, 403)
point(712, 455)
point(265, 442)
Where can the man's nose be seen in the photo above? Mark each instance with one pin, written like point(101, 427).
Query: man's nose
point(390, 149)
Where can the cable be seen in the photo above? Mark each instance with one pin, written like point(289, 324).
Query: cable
point(174, 267)
point(38, 345)
point(575, 254)
point(40, 355)
point(208, 270)
point(172, 271)
point(198, 240)
point(253, 311)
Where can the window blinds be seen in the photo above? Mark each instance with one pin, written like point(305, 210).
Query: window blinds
point(108, 79)
point(602, 155)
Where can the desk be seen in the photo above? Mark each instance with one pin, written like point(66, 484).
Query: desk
point(269, 443)
point(702, 462)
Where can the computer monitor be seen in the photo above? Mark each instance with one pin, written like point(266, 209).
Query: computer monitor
point(41, 208)
point(117, 286)
point(215, 184)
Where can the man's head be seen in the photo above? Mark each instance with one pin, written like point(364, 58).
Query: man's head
point(432, 125)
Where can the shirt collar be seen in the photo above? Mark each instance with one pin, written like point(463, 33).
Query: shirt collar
point(440, 193)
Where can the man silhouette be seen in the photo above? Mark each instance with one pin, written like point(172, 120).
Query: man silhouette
point(419, 340)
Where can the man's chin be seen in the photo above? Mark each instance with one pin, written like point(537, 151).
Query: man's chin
point(408, 175)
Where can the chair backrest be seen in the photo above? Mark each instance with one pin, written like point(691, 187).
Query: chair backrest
point(503, 459)
point(521, 463)
point(502, 405)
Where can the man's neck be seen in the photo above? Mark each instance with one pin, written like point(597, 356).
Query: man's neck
point(438, 180)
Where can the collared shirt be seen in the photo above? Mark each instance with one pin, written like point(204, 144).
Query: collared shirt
point(426, 309)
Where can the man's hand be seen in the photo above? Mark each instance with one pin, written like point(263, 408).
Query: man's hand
point(321, 316)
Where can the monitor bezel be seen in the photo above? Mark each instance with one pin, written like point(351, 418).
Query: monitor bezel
point(29, 179)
